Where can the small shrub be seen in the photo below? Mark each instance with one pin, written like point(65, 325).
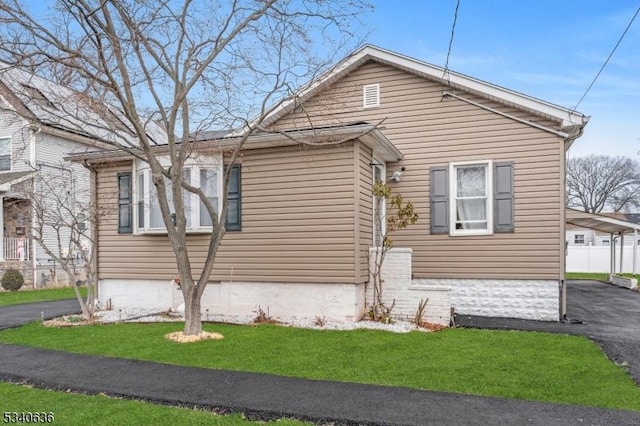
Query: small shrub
point(320, 321)
point(263, 317)
point(12, 279)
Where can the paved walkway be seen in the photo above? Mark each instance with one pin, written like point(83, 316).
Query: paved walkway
point(264, 396)
point(16, 315)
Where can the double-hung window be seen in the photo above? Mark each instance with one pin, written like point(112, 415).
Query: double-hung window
point(5, 154)
point(471, 211)
point(206, 177)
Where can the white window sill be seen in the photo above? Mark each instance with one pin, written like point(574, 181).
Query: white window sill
point(470, 232)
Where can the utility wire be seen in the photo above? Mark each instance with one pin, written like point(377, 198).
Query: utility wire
point(607, 61)
point(453, 30)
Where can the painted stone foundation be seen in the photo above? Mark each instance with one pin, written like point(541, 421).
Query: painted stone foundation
point(283, 301)
point(398, 286)
point(526, 299)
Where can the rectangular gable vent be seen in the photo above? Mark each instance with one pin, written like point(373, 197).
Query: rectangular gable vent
point(371, 95)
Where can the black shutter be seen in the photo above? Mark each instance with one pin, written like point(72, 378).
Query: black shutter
point(503, 197)
point(234, 200)
point(440, 200)
point(124, 203)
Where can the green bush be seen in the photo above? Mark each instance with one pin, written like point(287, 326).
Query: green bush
point(12, 279)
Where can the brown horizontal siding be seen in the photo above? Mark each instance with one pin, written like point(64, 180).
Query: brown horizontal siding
point(432, 131)
point(365, 202)
point(297, 224)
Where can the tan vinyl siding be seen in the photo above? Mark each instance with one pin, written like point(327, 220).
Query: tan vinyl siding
point(365, 203)
point(432, 131)
point(297, 224)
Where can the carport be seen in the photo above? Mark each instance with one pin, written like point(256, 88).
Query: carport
point(614, 227)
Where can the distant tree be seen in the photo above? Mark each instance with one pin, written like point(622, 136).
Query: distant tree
point(600, 182)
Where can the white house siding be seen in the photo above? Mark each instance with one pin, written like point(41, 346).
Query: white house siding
point(14, 127)
point(50, 153)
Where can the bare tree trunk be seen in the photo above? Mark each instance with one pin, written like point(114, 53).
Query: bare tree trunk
point(192, 311)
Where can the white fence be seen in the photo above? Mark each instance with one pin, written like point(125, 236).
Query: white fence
point(598, 259)
point(16, 249)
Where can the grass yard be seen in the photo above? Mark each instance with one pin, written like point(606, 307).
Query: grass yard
point(604, 277)
point(40, 295)
point(522, 365)
point(74, 409)
point(587, 276)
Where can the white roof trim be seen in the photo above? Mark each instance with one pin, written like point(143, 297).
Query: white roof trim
point(599, 222)
point(571, 120)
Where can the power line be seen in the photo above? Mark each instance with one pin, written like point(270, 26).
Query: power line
point(453, 30)
point(607, 61)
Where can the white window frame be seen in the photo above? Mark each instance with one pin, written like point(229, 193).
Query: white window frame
point(10, 153)
point(488, 164)
point(141, 168)
point(377, 164)
point(575, 239)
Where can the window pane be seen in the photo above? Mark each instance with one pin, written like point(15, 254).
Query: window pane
point(155, 219)
point(471, 181)
point(473, 209)
point(5, 162)
point(5, 154)
point(186, 196)
point(205, 217)
point(209, 185)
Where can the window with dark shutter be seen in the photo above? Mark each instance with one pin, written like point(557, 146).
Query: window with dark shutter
point(503, 197)
point(124, 203)
point(440, 200)
point(234, 202)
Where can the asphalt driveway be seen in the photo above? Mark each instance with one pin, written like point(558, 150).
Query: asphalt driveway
point(606, 314)
point(17, 315)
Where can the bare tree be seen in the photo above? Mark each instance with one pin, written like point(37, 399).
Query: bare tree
point(64, 227)
point(600, 182)
point(398, 215)
point(188, 65)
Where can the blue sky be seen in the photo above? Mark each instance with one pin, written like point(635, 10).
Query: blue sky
point(548, 49)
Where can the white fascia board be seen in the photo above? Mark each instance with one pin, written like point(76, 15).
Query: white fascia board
point(571, 121)
point(568, 117)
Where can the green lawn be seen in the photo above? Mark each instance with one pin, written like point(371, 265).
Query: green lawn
point(73, 409)
point(522, 365)
point(597, 276)
point(41, 295)
point(587, 276)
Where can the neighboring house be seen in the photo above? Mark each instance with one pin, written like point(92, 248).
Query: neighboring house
point(483, 166)
point(40, 123)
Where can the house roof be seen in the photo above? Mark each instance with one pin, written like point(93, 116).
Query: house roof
point(570, 122)
point(10, 178)
point(369, 134)
point(599, 222)
point(59, 110)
